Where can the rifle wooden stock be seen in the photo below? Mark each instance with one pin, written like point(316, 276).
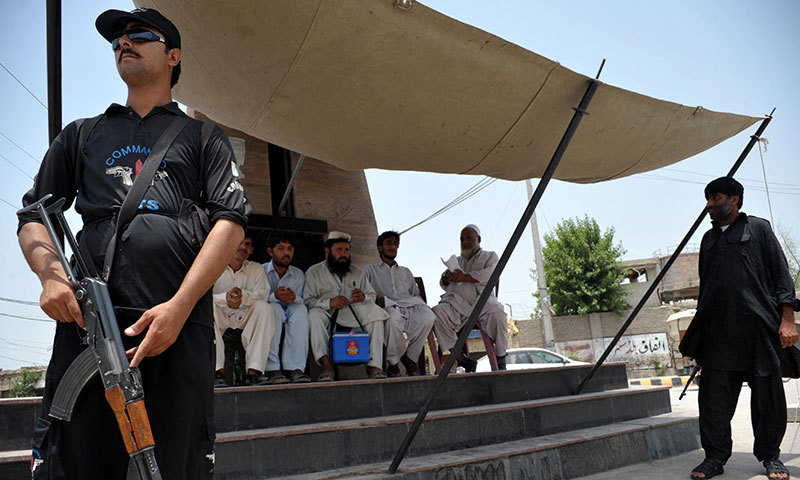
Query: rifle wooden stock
point(134, 425)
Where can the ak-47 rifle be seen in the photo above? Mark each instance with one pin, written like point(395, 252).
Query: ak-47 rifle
point(105, 355)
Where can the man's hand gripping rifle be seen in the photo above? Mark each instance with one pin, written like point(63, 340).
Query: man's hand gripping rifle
point(105, 355)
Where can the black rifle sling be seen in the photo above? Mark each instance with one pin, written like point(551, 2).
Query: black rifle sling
point(143, 180)
point(84, 130)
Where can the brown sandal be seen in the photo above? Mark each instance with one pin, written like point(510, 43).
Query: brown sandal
point(326, 376)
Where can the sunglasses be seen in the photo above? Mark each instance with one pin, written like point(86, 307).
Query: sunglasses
point(137, 35)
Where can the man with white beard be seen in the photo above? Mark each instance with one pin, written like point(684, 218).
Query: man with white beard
point(462, 288)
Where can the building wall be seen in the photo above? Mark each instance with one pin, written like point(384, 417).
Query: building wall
point(682, 280)
point(321, 192)
point(586, 336)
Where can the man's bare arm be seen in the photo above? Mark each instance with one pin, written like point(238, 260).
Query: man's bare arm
point(787, 330)
point(57, 298)
point(164, 321)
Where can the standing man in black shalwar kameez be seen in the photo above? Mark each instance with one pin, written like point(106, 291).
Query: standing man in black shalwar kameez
point(744, 317)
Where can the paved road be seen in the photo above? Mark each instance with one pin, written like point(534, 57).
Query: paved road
point(742, 465)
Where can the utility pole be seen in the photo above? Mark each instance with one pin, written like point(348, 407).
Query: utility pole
point(541, 280)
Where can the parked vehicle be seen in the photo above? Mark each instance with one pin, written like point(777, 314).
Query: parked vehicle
point(524, 358)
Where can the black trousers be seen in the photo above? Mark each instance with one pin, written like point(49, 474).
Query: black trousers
point(178, 387)
point(719, 393)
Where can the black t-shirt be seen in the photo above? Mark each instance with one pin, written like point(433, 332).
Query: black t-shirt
point(155, 253)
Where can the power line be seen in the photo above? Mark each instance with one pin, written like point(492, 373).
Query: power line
point(18, 359)
point(35, 350)
point(471, 191)
point(502, 216)
point(23, 85)
point(27, 345)
point(21, 302)
point(9, 204)
point(28, 318)
point(681, 180)
point(15, 166)
point(17, 145)
point(678, 170)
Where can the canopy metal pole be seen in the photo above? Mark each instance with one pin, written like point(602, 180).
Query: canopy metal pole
point(54, 68)
point(487, 290)
point(660, 276)
point(290, 185)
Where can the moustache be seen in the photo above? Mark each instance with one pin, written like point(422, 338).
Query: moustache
point(127, 51)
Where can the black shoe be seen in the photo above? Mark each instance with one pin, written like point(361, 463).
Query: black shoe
point(257, 379)
point(219, 380)
point(412, 369)
point(501, 363)
point(297, 376)
point(393, 371)
point(468, 364)
point(276, 377)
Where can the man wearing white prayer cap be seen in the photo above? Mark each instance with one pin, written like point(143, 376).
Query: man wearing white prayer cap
point(331, 285)
point(462, 288)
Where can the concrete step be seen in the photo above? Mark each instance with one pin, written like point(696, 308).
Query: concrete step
point(556, 456)
point(253, 411)
point(314, 447)
point(15, 464)
point(248, 408)
point(17, 417)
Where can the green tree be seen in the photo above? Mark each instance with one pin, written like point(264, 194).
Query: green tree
point(582, 268)
point(24, 384)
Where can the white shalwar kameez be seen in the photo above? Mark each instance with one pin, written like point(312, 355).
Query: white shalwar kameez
point(254, 316)
point(408, 312)
point(321, 286)
point(456, 304)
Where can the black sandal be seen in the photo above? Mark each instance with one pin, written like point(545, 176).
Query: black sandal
point(710, 468)
point(774, 467)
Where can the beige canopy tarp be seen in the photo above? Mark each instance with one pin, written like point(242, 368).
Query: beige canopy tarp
point(365, 84)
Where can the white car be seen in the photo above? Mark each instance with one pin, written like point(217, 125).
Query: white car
point(524, 358)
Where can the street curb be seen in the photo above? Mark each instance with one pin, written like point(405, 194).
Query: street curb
point(673, 381)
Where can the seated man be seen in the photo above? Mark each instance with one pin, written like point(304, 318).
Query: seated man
point(240, 301)
point(462, 288)
point(291, 316)
point(398, 294)
point(331, 285)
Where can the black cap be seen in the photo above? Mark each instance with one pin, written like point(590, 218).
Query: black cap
point(113, 21)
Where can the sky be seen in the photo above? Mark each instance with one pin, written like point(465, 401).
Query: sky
point(725, 55)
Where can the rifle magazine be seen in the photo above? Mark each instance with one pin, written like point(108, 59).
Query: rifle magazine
point(80, 371)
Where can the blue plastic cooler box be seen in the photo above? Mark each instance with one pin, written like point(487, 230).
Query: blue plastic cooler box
point(350, 347)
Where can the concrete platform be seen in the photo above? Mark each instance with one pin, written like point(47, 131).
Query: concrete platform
point(283, 450)
point(247, 408)
point(547, 457)
point(532, 418)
